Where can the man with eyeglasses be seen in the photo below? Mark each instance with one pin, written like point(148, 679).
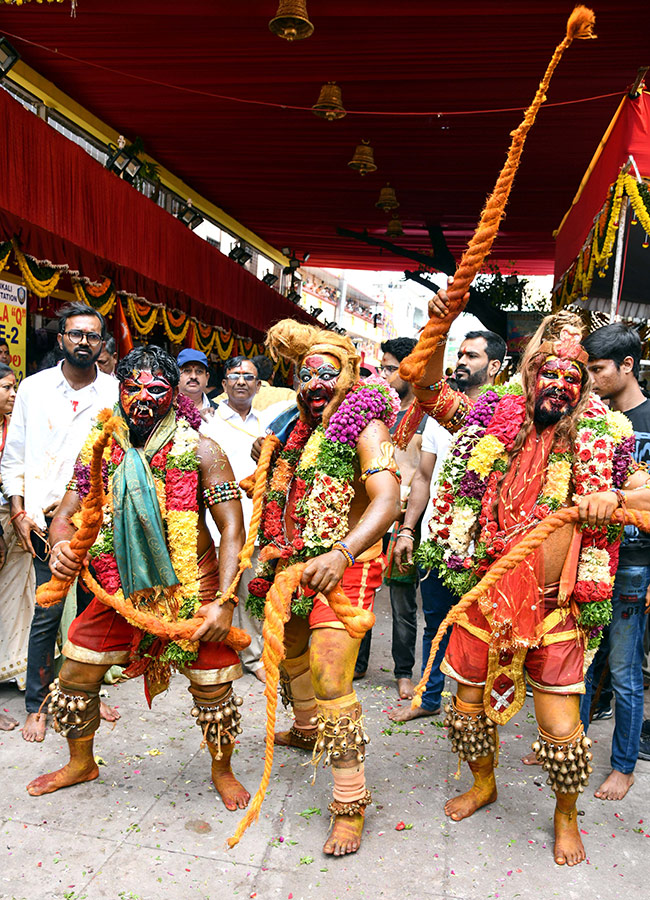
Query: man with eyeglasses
point(235, 426)
point(52, 416)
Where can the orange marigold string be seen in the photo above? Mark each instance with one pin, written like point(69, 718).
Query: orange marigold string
point(510, 561)
point(579, 25)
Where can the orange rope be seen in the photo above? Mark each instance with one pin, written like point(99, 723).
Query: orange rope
point(580, 25)
point(169, 631)
point(277, 611)
point(510, 561)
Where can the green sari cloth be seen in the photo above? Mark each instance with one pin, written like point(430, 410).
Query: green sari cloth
point(141, 553)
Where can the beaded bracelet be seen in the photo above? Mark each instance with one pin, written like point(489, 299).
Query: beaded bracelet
point(345, 550)
point(220, 493)
point(457, 420)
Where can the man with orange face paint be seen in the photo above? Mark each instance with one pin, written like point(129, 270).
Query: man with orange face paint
point(332, 492)
point(524, 450)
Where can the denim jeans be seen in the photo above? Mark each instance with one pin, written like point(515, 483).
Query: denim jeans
point(42, 635)
point(437, 600)
point(625, 634)
point(404, 606)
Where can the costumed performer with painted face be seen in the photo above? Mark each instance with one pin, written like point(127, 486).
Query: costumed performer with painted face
point(154, 549)
point(331, 494)
point(525, 450)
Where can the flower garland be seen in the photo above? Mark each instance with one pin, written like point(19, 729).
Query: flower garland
point(465, 537)
point(175, 471)
point(319, 465)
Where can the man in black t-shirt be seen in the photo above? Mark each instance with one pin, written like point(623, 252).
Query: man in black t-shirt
point(614, 360)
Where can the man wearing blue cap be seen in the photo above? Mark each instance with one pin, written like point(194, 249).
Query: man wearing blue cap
point(195, 374)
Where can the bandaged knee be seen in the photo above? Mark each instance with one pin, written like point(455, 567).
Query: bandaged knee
point(216, 710)
point(471, 733)
point(74, 708)
point(565, 759)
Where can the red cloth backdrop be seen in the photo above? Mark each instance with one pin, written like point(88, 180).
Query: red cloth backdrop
point(65, 208)
point(630, 135)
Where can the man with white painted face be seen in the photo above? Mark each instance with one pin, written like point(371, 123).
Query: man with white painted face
point(332, 491)
point(154, 549)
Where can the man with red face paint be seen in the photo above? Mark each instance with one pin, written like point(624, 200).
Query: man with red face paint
point(332, 492)
point(161, 477)
point(523, 451)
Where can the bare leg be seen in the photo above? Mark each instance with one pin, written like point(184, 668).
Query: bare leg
point(615, 786)
point(559, 715)
point(231, 791)
point(81, 767)
point(302, 734)
point(7, 723)
point(405, 688)
point(333, 655)
point(484, 789)
point(34, 728)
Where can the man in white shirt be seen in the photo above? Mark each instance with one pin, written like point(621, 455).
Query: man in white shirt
point(236, 426)
point(52, 416)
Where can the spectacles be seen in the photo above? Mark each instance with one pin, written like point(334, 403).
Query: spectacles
point(233, 377)
point(389, 369)
point(76, 337)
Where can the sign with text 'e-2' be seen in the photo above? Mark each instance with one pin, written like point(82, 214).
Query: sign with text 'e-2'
point(13, 324)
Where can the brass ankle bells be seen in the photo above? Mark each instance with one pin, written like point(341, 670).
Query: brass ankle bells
point(567, 761)
point(72, 712)
point(219, 721)
point(471, 735)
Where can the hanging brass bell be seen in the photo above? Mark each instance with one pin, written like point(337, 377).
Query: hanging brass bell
point(394, 228)
point(291, 21)
point(387, 199)
point(329, 104)
point(363, 160)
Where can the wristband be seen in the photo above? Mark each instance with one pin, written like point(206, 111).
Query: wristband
point(345, 550)
point(406, 528)
point(21, 512)
point(409, 537)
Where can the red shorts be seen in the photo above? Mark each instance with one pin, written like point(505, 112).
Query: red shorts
point(360, 583)
point(555, 666)
point(102, 636)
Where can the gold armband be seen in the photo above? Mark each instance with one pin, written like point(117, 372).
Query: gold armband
point(385, 462)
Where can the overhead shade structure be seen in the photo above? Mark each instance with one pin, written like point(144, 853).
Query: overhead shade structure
point(67, 210)
point(602, 258)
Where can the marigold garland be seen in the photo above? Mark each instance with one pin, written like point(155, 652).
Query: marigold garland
point(5, 250)
point(41, 280)
point(176, 325)
point(101, 297)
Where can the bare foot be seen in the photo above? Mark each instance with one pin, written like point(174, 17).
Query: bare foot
point(231, 791)
point(405, 688)
point(477, 796)
point(295, 737)
point(530, 759)
point(569, 849)
point(260, 674)
point(345, 836)
point(406, 713)
point(108, 713)
point(34, 728)
point(615, 786)
point(7, 723)
point(72, 773)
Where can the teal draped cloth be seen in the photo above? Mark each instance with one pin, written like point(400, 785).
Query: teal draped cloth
point(141, 553)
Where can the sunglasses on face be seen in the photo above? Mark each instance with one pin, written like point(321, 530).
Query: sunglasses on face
point(233, 377)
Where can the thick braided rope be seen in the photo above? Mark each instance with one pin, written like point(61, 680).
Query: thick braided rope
point(56, 589)
point(170, 631)
point(277, 610)
point(510, 561)
point(258, 479)
point(580, 25)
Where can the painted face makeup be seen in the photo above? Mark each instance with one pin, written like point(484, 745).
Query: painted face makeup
point(145, 398)
point(557, 390)
point(318, 376)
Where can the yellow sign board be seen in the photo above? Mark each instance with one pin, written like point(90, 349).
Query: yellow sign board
point(13, 325)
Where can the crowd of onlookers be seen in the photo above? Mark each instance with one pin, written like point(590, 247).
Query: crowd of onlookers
point(43, 426)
